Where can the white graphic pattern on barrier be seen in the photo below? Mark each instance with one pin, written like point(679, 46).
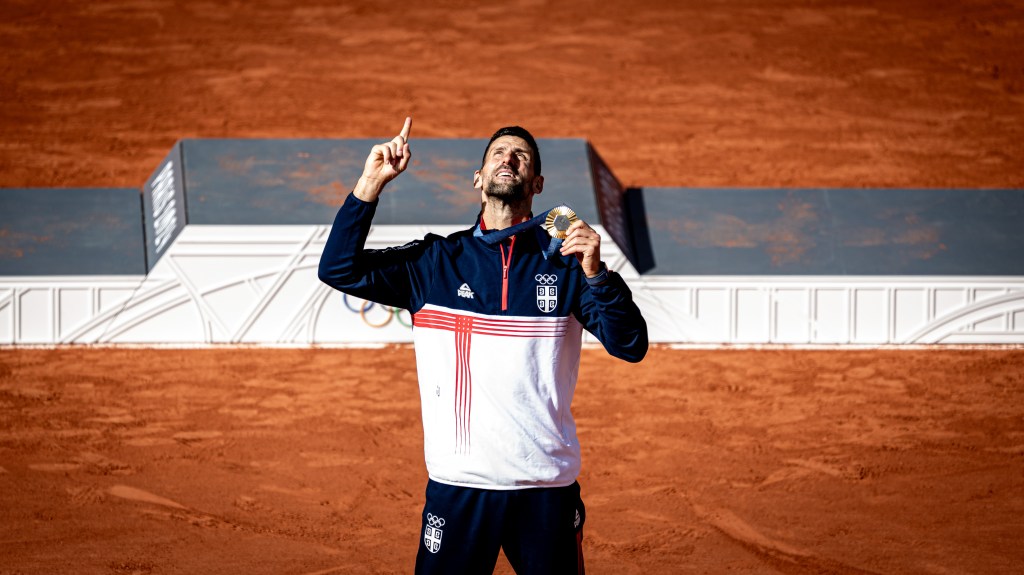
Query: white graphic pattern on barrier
point(258, 285)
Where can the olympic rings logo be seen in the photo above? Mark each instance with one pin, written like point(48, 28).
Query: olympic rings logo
point(378, 320)
point(546, 279)
point(435, 521)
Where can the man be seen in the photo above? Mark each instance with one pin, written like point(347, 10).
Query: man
point(498, 317)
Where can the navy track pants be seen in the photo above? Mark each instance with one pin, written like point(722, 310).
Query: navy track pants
point(540, 530)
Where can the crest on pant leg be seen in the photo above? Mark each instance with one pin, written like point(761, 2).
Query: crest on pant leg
point(432, 533)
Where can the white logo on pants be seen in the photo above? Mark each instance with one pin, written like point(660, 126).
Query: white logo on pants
point(432, 534)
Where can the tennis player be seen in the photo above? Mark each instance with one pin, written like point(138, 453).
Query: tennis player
point(498, 312)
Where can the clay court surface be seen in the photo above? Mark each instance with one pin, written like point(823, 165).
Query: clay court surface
point(310, 461)
point(119, 461)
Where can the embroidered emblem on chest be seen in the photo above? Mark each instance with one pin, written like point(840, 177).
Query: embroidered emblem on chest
point(547, 292)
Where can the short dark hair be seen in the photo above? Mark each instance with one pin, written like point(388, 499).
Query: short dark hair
point(518, 132)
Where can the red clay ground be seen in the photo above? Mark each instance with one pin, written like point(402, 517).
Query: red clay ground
point(310, 461)
point(249, 461)
point(911, 93)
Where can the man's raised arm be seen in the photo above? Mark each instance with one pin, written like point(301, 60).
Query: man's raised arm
point(384, 163)
point(385, 276)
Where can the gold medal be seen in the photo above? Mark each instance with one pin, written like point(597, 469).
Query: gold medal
point(558, 221)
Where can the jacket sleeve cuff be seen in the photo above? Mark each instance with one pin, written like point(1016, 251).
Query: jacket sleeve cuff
point(600, 278)
point(353, 197)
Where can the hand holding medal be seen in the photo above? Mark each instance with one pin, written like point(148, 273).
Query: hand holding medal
point(578, 238)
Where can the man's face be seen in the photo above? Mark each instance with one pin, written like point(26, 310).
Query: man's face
point(507, 173)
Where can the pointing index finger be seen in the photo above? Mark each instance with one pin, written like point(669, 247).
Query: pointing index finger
point(406, 128)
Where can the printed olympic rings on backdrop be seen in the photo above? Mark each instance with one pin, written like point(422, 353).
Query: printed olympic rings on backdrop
point(378, 320)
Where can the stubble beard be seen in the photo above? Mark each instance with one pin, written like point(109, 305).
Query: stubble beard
point(510, 194)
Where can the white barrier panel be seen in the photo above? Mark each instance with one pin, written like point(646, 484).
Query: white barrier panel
point(255, 285)
point(258, 285)
point(59, 309)
point(833, 310)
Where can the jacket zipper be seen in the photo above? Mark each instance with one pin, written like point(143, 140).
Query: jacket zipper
point(505, 263)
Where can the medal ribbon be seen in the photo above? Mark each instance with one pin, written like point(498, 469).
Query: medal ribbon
point(498, 236)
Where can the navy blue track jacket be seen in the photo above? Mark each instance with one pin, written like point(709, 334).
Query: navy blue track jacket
point(497, 331)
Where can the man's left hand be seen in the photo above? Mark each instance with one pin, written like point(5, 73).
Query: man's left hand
point(582, 240)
